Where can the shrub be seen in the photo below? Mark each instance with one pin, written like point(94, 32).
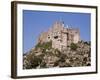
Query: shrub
point(35, 62)
point(88, 43)
point(43, 65)
point(73, 46)
point(58, 53)
point(62, 58)
point(46, 45)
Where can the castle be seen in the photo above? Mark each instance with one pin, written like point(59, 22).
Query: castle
point(60, 35)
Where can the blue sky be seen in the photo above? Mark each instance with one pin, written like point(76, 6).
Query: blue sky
point(35, 22)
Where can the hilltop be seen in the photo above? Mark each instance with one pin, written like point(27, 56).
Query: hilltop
point(44, 56)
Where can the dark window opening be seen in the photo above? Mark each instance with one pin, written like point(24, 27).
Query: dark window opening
point(48, 37)
point(55, 37)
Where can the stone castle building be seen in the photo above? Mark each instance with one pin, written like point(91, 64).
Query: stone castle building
point(60, 35)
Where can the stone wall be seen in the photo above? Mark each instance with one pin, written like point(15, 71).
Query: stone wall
point(60, 35)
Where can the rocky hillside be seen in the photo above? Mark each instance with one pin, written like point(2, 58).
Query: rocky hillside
point(44, 56)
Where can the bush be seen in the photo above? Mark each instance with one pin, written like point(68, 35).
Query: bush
point(35, 62)
point(57, 53)
point(62, 58)
point(88, 43)
point(43, 65)
point(73, 46)
point(46, 45)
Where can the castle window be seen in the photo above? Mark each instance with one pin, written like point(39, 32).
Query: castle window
point(55, 37)
point(48, 37)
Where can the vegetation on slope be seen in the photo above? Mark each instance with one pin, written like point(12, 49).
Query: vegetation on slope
point(44, 56)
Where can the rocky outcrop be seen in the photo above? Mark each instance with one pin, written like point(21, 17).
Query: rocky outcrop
point(44, 56)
